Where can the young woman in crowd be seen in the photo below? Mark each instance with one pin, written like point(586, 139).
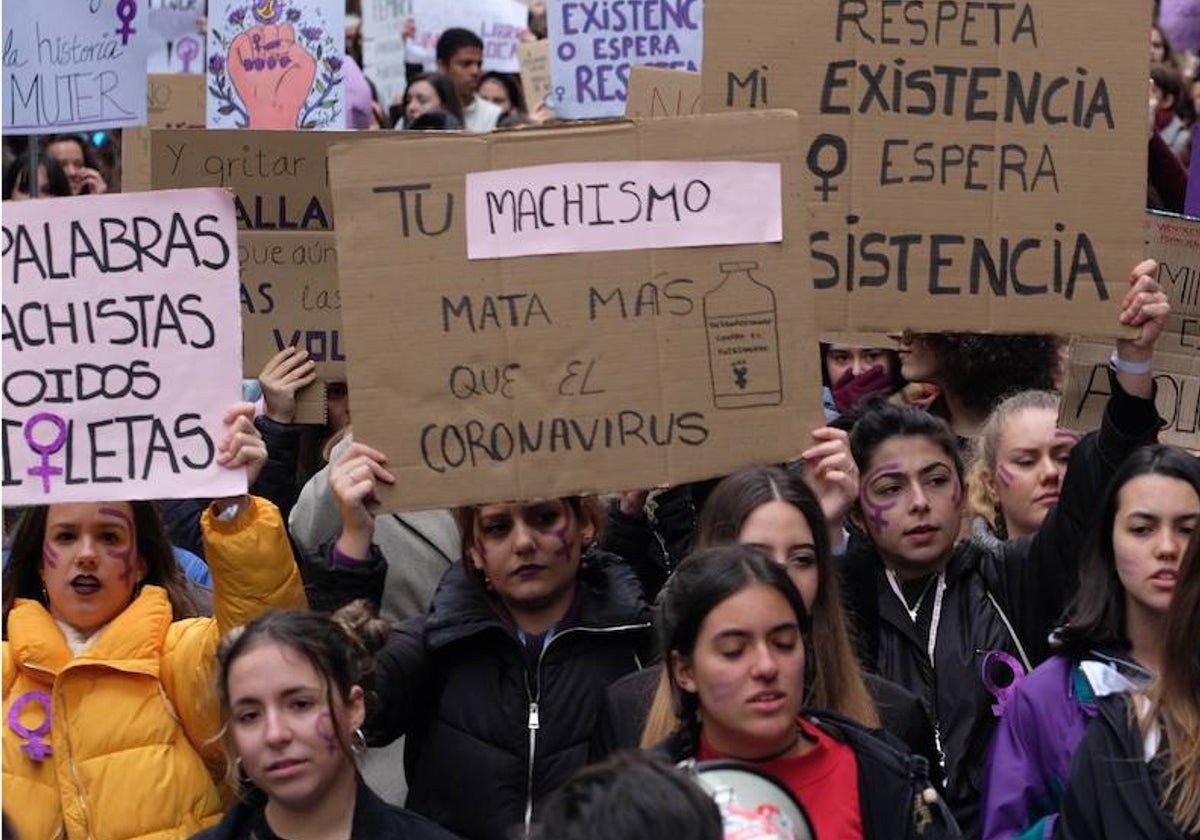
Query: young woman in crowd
point(1136, 775)
point(498, 688)
point(52, 181)
point(852, 369)
point(973, 372)
point(74, 155)
point(293, 692)
point(503, 90)
point(1112, 642)
point(736, 636)
point(107, 676)
point(774, 511)
point(955, 623)
point(428, 93)
point(1020, 462)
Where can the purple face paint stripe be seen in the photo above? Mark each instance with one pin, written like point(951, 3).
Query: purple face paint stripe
point(127, 554)
point(1006, 477)
point(49, 557)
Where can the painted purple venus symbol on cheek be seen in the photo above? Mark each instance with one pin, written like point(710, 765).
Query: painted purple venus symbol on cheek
point(563, 535)
point(35, 746)
point(325, 731)
point(877, 509)
point(1005, 476)
point(45, 470)
point(126, 554)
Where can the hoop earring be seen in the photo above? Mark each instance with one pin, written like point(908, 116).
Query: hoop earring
point(243, 779)
point(358, 742)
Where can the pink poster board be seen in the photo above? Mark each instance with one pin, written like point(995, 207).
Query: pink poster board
point(122, 346)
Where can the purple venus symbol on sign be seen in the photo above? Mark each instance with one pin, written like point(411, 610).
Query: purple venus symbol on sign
point(45, 470)
point(187, 49)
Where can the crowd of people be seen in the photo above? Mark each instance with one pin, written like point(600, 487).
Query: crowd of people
point(949, 617)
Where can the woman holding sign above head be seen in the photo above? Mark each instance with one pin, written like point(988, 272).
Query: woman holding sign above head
point(957, 623)
point(110, 722)
point(498, 688)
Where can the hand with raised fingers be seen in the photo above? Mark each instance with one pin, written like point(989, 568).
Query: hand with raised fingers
point(242, 446)
point(287, 372)
point(353, 480)
point(832, 475)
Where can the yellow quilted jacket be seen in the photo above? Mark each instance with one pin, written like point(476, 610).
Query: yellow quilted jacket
point(133, 719)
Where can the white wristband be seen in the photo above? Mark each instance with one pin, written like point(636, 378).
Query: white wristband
point(1132, 368)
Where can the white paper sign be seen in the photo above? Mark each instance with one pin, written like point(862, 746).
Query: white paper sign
point(383, 45)
point(499, 23)
point(176, 43)
point(71, 65)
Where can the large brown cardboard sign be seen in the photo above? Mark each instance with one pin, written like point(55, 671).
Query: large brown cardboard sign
point(563, 372)
point(658, 92)
point(968, 165)
point(1174, 242)
point(286, 246)
point(173, 100)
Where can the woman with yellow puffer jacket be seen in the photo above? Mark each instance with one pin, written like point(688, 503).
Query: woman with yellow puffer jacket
point(109, 715)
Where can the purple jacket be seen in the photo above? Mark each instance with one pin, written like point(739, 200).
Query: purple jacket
point(1045, 718)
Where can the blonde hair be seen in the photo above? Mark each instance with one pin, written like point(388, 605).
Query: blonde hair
point(987, 448)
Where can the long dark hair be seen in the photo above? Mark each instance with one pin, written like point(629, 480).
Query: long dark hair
point(880, 422)
point(16, 177)
point(22, 578)
point(701, 583)
point(837, 682)
point(445, 91)
point(1095, 616)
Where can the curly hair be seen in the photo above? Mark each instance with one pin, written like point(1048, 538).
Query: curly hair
point(982, 369)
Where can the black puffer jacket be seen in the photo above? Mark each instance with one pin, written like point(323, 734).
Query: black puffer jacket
point(490, 734)
point(1112, 793)
point(1003, 600)
point(895, 797)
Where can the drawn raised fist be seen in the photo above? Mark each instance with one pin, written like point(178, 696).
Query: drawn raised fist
point(272, 74)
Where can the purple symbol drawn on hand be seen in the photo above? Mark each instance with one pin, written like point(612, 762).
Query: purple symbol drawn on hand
point(46, 450)
point(188, 49)
point(1001, 693)
point(877, 509)
point(35, 746)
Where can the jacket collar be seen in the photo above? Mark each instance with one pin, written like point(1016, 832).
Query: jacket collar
point(607, 594)
point(370, 815)
point(136, 634)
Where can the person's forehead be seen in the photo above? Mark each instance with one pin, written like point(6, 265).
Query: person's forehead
point(467, 55)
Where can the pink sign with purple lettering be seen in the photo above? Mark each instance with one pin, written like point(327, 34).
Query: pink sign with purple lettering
point(570, 208)
point(122, 346)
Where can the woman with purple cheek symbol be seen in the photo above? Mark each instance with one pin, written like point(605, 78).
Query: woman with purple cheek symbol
point(107, 666)
point(499, 687)
point(961, 624)
point(293, 689)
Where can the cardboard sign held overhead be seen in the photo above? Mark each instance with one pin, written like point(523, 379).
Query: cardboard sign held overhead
point(654, 92)
point(172, 101)
point(535, 72)
point(1174, 241)
point(966, 168)
point(551, 373)
point(383, 46)
point(119, 361)
point(286, 247)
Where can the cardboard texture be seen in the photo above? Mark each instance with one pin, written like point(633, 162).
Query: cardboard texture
point(535, 72)
point(173, 100)
point(548, 375)
point(1174, 242)
point(286, 246)
point(655, 92)
point(913, 194)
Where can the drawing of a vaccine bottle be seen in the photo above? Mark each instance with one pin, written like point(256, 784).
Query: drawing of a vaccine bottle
point(741, 323)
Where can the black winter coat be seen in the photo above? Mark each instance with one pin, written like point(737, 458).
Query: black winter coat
point(374, 819)
point(490, 734)
point(1111, 792)
point(1003, 600)
point(895, 797)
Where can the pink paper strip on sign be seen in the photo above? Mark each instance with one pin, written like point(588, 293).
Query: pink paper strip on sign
point(571, 208)
point(122, 346)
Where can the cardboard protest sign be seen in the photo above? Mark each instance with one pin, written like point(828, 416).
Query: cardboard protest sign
point(286, 247)
point(654, 92)
point(383, 46)
point(535, 72)
point(594, 46)
point(544, 374)
point(176, 43)
point(71, 66)
point(121, 347)
point(1174, 241)
point(499, 23)
point(276, 64)
point(172, 101)
point(952, 153)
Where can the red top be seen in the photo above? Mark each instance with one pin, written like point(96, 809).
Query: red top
point(824, 779)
